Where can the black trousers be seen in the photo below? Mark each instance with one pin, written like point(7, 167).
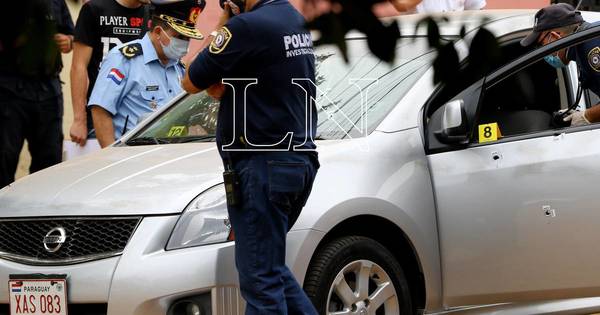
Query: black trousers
point(38, 122)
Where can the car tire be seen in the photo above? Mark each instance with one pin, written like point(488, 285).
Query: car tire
point(334, 284)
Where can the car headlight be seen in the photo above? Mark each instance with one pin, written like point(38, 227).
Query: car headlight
point(205, 221)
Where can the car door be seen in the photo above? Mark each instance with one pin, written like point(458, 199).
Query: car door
point(518, 216)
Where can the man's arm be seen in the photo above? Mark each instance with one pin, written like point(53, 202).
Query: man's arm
point(103, 123)
point(216, 61)
point(217, 89)
point(187, 84)
point(87, 36)
point(405, 5)
point(79, 88)
point(592, 114)
point(108, 93)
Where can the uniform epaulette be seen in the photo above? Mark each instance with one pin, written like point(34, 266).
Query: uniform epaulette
point(132, 50)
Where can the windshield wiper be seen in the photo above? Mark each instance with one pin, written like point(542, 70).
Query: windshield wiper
point(205, 138)
point(146, 141)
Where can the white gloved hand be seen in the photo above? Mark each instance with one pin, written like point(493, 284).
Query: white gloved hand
point(577, 119)
point(562, 111)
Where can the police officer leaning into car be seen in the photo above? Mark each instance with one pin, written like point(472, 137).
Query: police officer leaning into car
point(264, 135)
point(557, 21)
point(140, 76)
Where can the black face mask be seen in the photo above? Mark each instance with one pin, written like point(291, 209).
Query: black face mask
point(240, 3)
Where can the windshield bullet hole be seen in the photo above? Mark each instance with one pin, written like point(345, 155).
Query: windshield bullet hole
point(496, 157)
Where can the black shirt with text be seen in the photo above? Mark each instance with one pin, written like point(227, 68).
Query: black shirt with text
point(104, 24)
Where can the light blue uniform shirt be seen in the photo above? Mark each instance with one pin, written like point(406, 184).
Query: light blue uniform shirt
point(132, 87)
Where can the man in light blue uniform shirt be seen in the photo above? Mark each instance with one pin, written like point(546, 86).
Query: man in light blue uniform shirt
point(140, 76)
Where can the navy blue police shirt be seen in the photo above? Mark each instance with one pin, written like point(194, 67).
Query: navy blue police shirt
point(587, 57)
point(266, 55)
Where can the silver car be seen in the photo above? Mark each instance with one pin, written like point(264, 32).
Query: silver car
point(431, 198)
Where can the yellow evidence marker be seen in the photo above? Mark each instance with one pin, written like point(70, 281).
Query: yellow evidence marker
point(176, 131)
point(489, 133)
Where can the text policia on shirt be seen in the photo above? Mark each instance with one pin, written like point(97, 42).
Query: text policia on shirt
point(298, 44)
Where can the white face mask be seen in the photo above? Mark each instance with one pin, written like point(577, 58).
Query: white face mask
point(176, 48)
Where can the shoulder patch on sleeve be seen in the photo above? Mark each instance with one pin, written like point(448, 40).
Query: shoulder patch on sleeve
point(220, 41)
point(116, 75)
point(594, 58)
point(131, 50)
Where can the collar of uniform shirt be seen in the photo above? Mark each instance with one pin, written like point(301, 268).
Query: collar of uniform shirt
point(150, 53)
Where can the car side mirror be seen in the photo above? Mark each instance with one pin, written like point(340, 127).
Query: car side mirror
point(454, 124)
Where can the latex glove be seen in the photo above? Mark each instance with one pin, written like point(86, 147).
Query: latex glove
point(571, 111)
point(577, 119)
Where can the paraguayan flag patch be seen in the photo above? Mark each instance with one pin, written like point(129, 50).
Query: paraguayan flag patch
point(116, 76)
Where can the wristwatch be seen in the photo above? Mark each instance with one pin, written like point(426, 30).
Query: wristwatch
point(214, 34)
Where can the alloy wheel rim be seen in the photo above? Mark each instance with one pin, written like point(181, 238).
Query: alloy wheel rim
point(362, 288)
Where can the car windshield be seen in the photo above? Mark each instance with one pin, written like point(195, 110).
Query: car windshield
point(352, 97)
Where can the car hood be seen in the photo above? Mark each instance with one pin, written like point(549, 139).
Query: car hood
point(142, 180)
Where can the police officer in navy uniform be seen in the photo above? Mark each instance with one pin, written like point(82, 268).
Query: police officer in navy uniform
point(266, 126)
point(31, 99)
point(559, 20)
point(141, 76)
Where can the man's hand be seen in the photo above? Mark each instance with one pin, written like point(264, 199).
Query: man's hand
point(79, 132)
point(64, 42)
point(225, 16)
point(577, 118)
point(216, 91)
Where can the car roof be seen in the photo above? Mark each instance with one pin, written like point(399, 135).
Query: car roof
point(500, 22)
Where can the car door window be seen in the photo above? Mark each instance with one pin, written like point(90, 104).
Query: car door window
point(522, 103)
point(516, 102)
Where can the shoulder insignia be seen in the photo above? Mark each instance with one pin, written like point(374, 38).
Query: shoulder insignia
point(220, 41)
point(594, 58)
point(132, 50)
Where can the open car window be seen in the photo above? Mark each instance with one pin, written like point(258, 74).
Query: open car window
point(532, 100)
point(522, 103)
point(517, 101)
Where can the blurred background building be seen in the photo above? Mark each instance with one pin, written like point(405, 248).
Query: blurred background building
point(588, 5)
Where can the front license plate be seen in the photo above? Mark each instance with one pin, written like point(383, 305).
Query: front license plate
point(38, 294)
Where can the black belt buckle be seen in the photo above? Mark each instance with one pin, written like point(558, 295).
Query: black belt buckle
point(232, 188)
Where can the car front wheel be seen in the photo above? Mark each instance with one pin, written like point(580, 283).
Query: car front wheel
point(357, 275)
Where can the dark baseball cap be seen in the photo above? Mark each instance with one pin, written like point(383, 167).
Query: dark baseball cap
point(181, 15)
point(551, 17)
